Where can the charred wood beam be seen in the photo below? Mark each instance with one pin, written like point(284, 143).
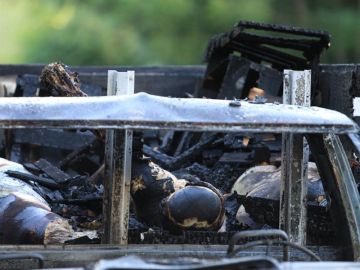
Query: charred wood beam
point(97, 175)
point(259, 42)
point(184, 143)
point(52, 171)
point(93, 203)
point(50, 138)
point(162, 159)
point(76, 153)
point(46, 182)
point(279, 59)
point(291, 43)
point(167, 141)
point(187, 156)
point(316, 40)
point(323, 36)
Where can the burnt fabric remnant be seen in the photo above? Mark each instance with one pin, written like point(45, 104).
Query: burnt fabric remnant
point(25, 217)
point(34, 212)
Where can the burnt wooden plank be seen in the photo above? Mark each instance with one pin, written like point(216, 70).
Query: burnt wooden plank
point(51, 170)
point(46, 182)
point(52, 138)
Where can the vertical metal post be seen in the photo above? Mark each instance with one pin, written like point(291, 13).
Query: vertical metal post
point(295, 156)
point(118, 152)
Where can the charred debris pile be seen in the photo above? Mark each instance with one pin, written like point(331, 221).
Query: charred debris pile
point(186, 187)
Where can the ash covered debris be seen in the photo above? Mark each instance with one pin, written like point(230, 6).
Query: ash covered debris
point(186, 186)
point(201, 174)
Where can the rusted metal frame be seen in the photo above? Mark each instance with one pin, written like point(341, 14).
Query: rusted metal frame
point(348, 191)
point(118, 151)
point(295, 156)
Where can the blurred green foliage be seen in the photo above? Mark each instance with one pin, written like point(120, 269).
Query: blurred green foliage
point(148, 32)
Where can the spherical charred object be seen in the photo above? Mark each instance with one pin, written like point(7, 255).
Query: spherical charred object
point(150, 184)
point(199, 206)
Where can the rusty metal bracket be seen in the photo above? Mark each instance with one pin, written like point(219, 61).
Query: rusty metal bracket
point(295, 156)
point(118, 152)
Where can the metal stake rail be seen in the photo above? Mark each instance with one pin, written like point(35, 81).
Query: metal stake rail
point(295, 156)
point(118, 152)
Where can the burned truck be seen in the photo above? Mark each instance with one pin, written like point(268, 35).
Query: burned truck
point(202, 171)
point(321, 128)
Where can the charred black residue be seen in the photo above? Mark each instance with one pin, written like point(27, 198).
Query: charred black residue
point(194, 207)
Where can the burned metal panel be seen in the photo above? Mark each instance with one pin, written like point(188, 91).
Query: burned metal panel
point(143, 111)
